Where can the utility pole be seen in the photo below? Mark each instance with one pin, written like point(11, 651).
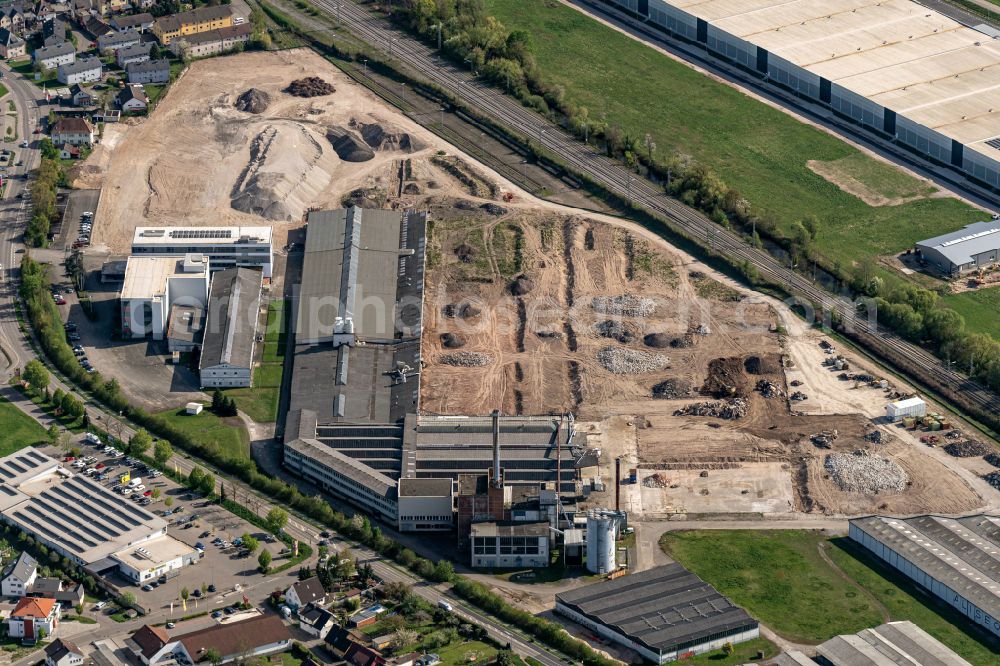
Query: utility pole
point(438, 26)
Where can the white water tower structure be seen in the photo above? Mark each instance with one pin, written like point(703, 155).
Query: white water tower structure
point(602, 534)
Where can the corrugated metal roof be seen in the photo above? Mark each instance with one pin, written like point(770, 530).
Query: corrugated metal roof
point(890, 644)
point(959, 246)
point(233, 309)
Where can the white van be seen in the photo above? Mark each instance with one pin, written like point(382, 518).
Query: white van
point(444, 605)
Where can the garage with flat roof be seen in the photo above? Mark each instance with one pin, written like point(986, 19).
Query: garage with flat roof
point(664, 614)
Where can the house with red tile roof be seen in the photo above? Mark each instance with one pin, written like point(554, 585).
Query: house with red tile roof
point(33, 618)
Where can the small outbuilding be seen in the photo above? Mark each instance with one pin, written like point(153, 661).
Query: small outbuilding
point(194, 408)
point(914, 407)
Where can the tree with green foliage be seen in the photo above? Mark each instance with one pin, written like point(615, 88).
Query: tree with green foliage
point(213, 657)
point(276, 519)
point(48, 149)
point(140, 442)
point(207, 485)
point(264, 561)
point(195, 477)
point(250, 543)
point(162, 451)
point(53, 433)
point(36, 376)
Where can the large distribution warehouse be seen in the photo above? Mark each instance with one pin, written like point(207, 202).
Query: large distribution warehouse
point(955, 559)
point(893, 66)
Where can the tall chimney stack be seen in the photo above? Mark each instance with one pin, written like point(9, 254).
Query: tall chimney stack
point(618, 483)
point(496, 447)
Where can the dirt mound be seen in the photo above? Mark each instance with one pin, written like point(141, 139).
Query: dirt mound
point(452, 340)
point(624, 332)
point(726, 378)
point(762, 365)
point(380, 138)
point(465, 253)
point(967, 449)
point(521, 285)
point(670, 389)
point(733, 409)
point(494, 209)
point(625, 305)
point(467, 359)
point(283, 173)
point(623, 361)
point(311, 86)
point(463, 311)
point(349, 146)
point(411, 188)
point(253, 101)
point(658, 340)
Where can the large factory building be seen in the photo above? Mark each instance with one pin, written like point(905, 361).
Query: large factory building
point(955, 559)
point(895, 67)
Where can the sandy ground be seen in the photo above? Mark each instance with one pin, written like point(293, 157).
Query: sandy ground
point(197, 154)
point(832, 174)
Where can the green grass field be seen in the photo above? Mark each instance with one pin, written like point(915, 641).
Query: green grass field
point(228, 435)
point(17, 429)
point(979, 308)
point(759, 150)
point(779, 578)
point(260, 402)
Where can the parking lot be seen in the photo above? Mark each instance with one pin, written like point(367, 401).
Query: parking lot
point(78, 202)
point(224, 573)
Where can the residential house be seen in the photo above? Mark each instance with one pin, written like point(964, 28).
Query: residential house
point(19, 576)
point(212, 42)
point(70, 596)
point(113, 41)
point(203, 19)
point(81, 9)
point(316, 620)
point(139, 22)
point(340, 639)
point(95, 26)
point(11, 46)
point(256, 637)
point(12, 18)
point(304, 592)
point(151, 71)
point(53, 31)
point(68, 152)
point(147, 643)
point(132, 54)
point(33, 618)
point(83, 70)
point(359, 655)
point(61, 652)
point(132, 99)
point(74, 131)
point(81, 96)
point(117, 6)
point(50, 57)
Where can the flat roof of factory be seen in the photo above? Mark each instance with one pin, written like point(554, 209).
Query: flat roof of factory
point(146, 277)
point(200, 235)
point(897, 53)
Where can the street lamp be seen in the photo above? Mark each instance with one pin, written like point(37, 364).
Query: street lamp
point(364, 61)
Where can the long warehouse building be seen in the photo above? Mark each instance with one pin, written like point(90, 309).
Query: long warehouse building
point(895, 67)
point(955, 559)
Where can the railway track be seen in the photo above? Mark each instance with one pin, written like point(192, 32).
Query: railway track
point(580, 157)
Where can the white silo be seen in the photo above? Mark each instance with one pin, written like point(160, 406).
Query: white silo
point(602, 530)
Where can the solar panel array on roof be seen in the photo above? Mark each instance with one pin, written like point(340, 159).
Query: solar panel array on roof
point(201, 233)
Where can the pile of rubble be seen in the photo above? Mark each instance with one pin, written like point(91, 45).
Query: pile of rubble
point(798, 396)
point(993, 478)
point(626, 305)
point(311, 86)
point(970, 448)
point(993, 459)
point(860, 472)
point(623, 361)
point(656, 481)
point(769, 389)
point(467, 359)
point(736, 408)
point(624, 332)
point(824, 439)
point(876, 437)
point(671, 389)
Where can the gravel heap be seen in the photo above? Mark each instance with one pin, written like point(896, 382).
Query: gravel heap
point(311, 86)
point(993, 459)
point(656, 481)
point(625, 305)
point(993, 478)
point(736, 408)
point(970, 448)
point(859, 472)
point(623, 361)
point(467, 359)
point(253, 101)
point(348, 145)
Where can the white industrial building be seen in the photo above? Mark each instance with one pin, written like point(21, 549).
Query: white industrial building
point(665, 614)
point(895, 67)
point(954, 559)
point(84, 521)
point(509, 544)
point(225, 247)
point(153, 285)
point(910, 407)
point(970, 248)
point(425, 505)
point(230, 333)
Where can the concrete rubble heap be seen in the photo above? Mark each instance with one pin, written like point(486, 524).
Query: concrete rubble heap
point(860, 472)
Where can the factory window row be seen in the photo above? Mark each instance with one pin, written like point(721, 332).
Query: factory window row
point(857, 111)
point(508, 546)
point(347, 486)
point(914, 138)
point(719, 635)
point(442, 518)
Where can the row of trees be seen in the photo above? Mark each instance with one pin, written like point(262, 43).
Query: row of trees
point(222, 405)
point(43, 197)
point(201, 481)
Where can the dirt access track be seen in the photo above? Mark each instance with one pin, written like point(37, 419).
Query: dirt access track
point(198, 161)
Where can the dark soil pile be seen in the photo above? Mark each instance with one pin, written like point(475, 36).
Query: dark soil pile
point(253, 101)
point(311, 86)
point(411, 188)
point(671, 389)
point(463, 311)
point(683, 342)
point(624, 332)
point(726, 379)
point(967, 449)
point(521, 285)
point(494, 209)
point(465, 253)
point(379, 138)
point(658, 340)
point(349, 146)
point(452, 340)
point(762, 365)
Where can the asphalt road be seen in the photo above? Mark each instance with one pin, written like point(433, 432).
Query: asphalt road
point(620, 181)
